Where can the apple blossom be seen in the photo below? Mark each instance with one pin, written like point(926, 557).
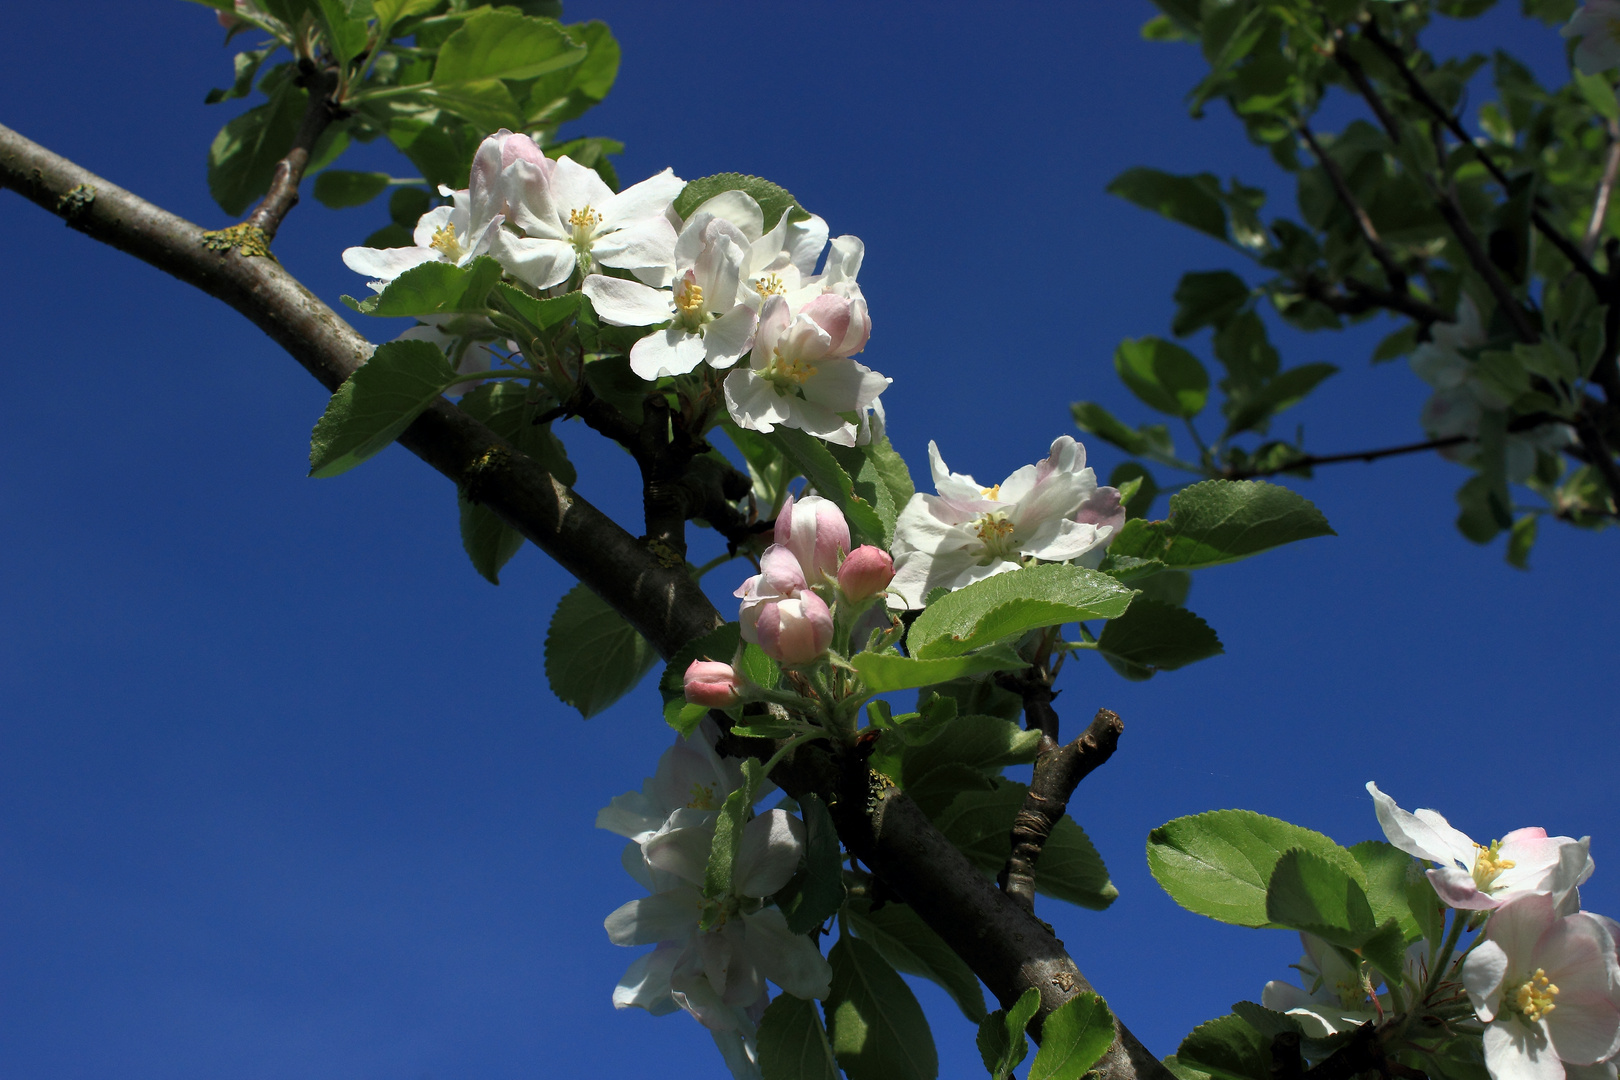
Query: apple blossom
point(1546, 987)
point(1477, 877)
point(1597, 25)
point(796, 630)
point(814, 529)
point(780, 578)
point(1333, 998)
point(708, 682)
point(866, 572)
point(799, 371)
point(457, 233)
point(968, 532)
point(572, 221)
point(690, 776)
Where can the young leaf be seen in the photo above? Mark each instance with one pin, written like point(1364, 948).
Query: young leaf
point(1149, 440)
point(376, 404)
point(1306, 892)
point(1191, 200)
point(1209, 298)
point(1227, 1048)
point(593, 657)
point(439, 288)
point(1221, 521)
point(888, 671)
point(340, 189)
point(1152, 637)
point(821, 893)
point(905, 941)
point(1219, 863)
point(497, 44)
point(984, 742)
point(1073, 1039)
point(728, 833)
point(489, 542)
point(878, 1029)
point(1164, 375)
point(244, 154)
point(1002, 1041)
point(792, 1043)
point(1010, 604)
point(773, 199)
point(1387, 872)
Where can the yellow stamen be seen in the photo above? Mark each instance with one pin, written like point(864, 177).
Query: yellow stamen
point(1534, 996)
point(783, 371)
point(770, 285)
point(444, 240)
point(1489, 864)
point(584, 219)
point(992, 492)
point(702, 797)
point(994, 529)
point(689, 298)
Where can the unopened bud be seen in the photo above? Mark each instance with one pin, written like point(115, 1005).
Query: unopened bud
point(712, 684)
point(866, 572)
point(797, 630)
point(815, 531)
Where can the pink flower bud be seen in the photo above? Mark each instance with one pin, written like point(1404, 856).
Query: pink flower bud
point(815, 531)
point(779, 578)
point(866, 572)
point(227, 20)
point(713, 684)
point(844, 319)
point(795, 631)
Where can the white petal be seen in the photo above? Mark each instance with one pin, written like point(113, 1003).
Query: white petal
point(1482, 976)
point(682, 852)
point(574, 187)
point(671, 351)
point(641, 201)
point(668, 916)
point(640, 245)
point(729, 337)
point(386, 264)
point(772, 846)
point(537, 262)
point(645, 984)
point(737, 207)
point(430, 223)
point(805, 241)
point(1514, 1051)
point(627, 303)
point(1428, 836)
point(787, 959)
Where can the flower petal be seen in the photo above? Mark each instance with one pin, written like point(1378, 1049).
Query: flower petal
point(787, 959)
point(645, 984)
point(627, 303)
point(1482, 975)
point(1428, 836)
point(1515, 1051)
point(671, 351)
point(772, 847)
point(666, 916)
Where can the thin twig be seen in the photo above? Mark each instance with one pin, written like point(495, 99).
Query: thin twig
point(1358, 75)
point(1446, 202)
point(1311, 461)
point(1367, 297)
point(318, 116)
point(1392, 270)
point(1600, 202)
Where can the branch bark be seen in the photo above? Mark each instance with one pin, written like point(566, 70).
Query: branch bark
point(1310, 461)
point(318, 116)
point(1005, 945)
point(1392, 269)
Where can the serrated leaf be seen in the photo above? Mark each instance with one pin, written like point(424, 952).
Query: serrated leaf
point(1010, 604)
point(830, 480)
point(1227, 1048)
point(878, 1030)
point(376, 404)
point(1002, 1039)
point(886, 671)
point(1221, 521)
point(906, 942)
point(792, 1043)
point(728, 834)
point(980, 823)
point(1073, 1039)
point(1191, 200)
point(339, 189)
point(488, 541)
point(1149, 440)
point(1163, 375)
point(821, 892)
point(593, 657)
point(497, 44)
point(1152, 637)
point(1219, 863)
point(1307, 892)
point(1387, 872)
point(243, 156)
point(439, 288)
point(988, 743)
point(773, 199)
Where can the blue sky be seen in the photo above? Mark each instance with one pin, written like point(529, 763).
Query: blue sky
point(283, 792)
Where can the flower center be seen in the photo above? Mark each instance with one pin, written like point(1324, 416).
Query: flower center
point(701, 798)
point(714, 913)
point(995, 532)
point(787, 374)
point(993, 492)
point(1489, 864)
point(1534, 996)
point(584, 222)
point(770, 285)
point(1351, 994)
point(444, 241)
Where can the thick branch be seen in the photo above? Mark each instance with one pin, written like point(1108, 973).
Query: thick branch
point(1004, 944)
point(662, 601)
point(318, 115)
point(1058, 771)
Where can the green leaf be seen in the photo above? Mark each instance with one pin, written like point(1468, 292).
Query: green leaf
point(1164, 375)
point(541, 314)
point(1011, 604)
point(1521, 540)
point(886, 671)
point(247, 66)
point(1307, 892)
point(906, 942)
point(376, 404)
point(1191, 200)
point(406, 207)
point(1152, 637)
point(976, 695)
point(344, 24)
point(980, 823)
point(1002, 1038)
point(1149, 440)
point(244, 154)
point(496, 44)
point(438, 288)
point(339, 189)
point(1208, 298)
point(509, 410)
point(1137, 488)
point(567, 95)
point(1222, 521)
point(1219, 863)
point(390, 12)
point(728, 834)
point(488, 541)
point(1073, 1039)
point(792, 1043)
point(1227, 1048)
point(593, 657)
point(773, 199)
point(821, 893)
point(830, 480)
point(1250, 408)
point(984, 742)
point(1598, 93)
point(938, 789)
point(1396, 345)
point(1387, 873)
point(878, 1029)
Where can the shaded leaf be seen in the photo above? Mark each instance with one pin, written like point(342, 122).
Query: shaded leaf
point(1220, 521)
point(792, 1043)
point(889, 670)
point(593, 657)
point(376, 404)
point(1153, 636)
point(878, 1030)
point(906, 942)
point(1073, 1039)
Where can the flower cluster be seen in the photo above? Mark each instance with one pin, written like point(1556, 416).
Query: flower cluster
point(716, 288)
point(714, 953)
point(1052, 511)
point(1542, 980)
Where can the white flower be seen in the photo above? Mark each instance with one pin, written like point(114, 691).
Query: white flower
point(690, 776)
point(572, 221)
point(968, 532)
point(1333, 999)
point(457, 233)
point(800, 374)
point(1545, 985)
point(1477, 877)
point(1597, 24)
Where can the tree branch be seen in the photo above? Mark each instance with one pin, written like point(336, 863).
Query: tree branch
point(1005, 945)
point(1392, 270)
point(1600, 202)
point(1310, 461)
point(1446, 202)
point(318, 115)
point(1366, 297)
